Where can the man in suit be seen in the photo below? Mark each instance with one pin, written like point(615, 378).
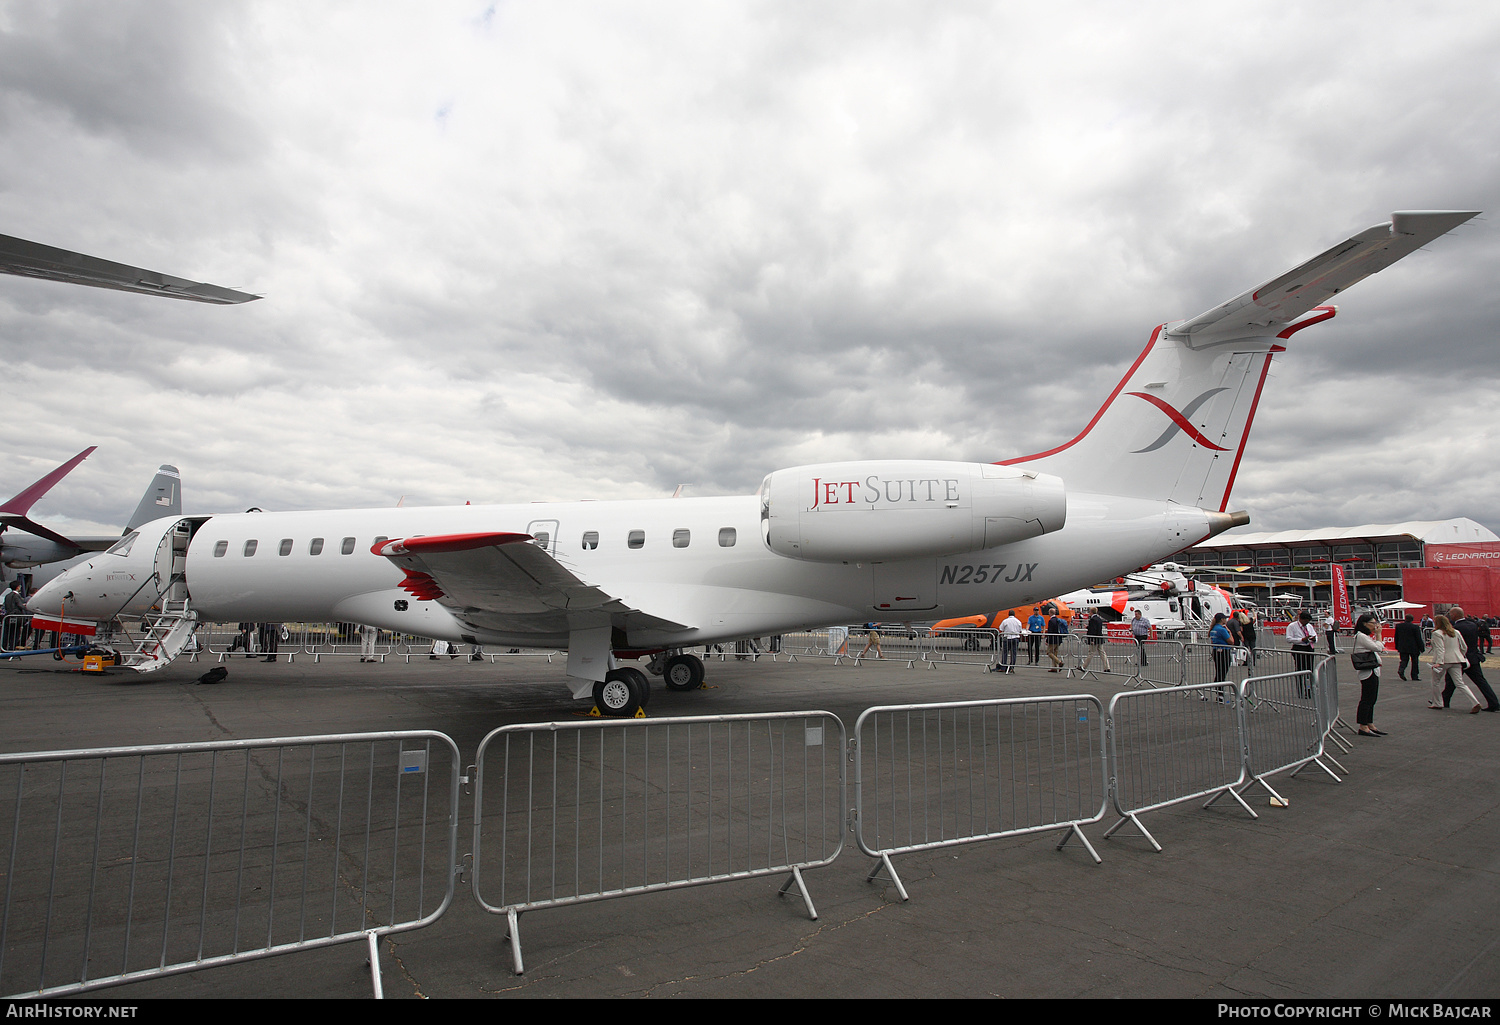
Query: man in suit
point(1468, 629)
point(1410, 647)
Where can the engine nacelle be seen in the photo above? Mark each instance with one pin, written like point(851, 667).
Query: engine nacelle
point(886, 510)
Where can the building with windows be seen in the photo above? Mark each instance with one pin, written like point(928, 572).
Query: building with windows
point(1433, 562)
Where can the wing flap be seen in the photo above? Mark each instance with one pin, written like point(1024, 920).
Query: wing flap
point(484, 576)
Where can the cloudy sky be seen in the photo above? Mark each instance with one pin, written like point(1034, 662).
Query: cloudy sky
point(527, 251)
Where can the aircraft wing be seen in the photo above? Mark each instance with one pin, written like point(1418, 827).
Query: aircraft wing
point(34, 260)
point(1285, 298)
point(501, 581)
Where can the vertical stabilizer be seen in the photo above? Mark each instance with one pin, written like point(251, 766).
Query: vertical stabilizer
point(162, 498)
point(1175, 427)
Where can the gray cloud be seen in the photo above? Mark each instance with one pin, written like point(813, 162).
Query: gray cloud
point(516, 252)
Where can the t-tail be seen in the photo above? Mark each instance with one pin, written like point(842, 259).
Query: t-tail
point(1175, 427)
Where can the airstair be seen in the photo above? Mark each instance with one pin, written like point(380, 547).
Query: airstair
point(167, 633)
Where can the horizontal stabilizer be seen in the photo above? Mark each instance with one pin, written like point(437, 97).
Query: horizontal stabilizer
point(34, 260)
point(1285, 298)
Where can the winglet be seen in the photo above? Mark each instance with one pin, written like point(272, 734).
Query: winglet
point(21, 504)
point(35, 260)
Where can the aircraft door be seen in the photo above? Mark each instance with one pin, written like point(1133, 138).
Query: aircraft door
point(545, 533)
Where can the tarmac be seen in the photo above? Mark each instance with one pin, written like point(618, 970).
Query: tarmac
point(1383, 885)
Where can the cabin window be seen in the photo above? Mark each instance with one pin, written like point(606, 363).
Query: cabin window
point(382, 539)
point(590, 540)
point(315, 546)
point(636, 539)
point(347, 548)
point(726, 537)
point(681, 537)
point(250, 548)
point(286, 547)
point(220, 549)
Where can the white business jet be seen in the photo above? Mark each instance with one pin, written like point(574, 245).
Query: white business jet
point(817, 545)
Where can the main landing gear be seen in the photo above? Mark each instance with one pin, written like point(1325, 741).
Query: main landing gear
point(683, 672)
point(627, 690)
point(622, 693)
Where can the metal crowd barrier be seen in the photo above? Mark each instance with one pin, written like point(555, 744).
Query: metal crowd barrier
point(15, 632)
point(937, 775)
point(1283, 728)
point(222, 640)
point(1172, 745)
point(963, 647)
point(569, 812)
point(131, 863)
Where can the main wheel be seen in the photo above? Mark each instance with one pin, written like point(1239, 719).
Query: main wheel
point(971, 643)
point(617, 696)
point(640, 681)
point(683, 672)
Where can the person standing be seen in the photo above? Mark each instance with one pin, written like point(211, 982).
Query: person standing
point(270, 637)
point(1468, 629)
point(1140, 631)
point(1036, 625)
point(1302, 637)
point(1329, 625)
point(15, 609)
point(1409, 646)
point(1223, 644)
point(1057, 629)
point(1094, 640)
point(367, 635)
point(1448, 660)
point(1366, 656)
point(1010, 643)
point(1247, 631)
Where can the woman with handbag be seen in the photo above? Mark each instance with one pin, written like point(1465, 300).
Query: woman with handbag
point(1449, 656)
point(1366, 658)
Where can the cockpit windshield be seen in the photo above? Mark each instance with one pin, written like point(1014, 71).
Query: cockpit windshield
point(122, 546)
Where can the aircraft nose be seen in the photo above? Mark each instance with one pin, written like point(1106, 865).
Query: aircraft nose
point(48, 596)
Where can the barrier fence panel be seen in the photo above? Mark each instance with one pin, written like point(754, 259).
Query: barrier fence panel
point(936, 775)
point(226, 640)
point(963, 647)
point(566, 813)
point(138, 862)
point(1163, 665)
point(1283, 728)
point(1326, 687)
point(15, 632)
point(1203, 663)
point(1107, 656)
point(1172, 745)
point(320, 639)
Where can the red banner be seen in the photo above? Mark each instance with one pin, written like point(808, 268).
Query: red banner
point(1478, 554)
point(1341, 614)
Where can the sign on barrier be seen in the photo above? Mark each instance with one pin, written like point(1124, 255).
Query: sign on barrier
point(1172, 745)
point(131, 863)
point(936, 775)
point(571, 812)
